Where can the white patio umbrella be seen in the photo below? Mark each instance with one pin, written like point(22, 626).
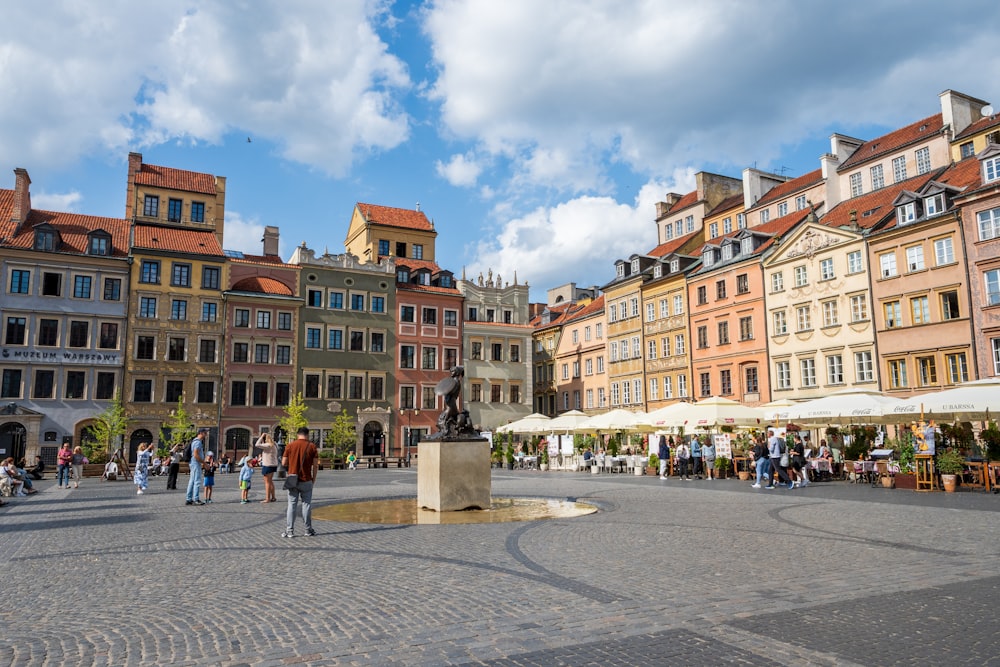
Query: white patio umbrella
point(666, 416)
point(717, 411)
point(850, 406)
point(533, 423)
point(614, 420)
point(777, 410)
point(972, 401)
point(566, 422)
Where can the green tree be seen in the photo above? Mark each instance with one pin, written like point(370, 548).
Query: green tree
point(179, 429)
point(107, 428)
point(294, 417)
point(342, 436)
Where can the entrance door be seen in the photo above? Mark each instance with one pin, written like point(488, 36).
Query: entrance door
point(139, 436)
point(237, 442)
point(373, 442)
point(12, 441)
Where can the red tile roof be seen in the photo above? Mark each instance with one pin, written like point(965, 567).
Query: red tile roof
point(262, 285)
point(6, 209)
point(685, 201)
point(895, 140)
point(175, 179)
point(73, 228)
point(154, 237)
point(560, 312)
point(595, 306)
point(873, 207)
point(261, 259)
point(980, 125)
point(673, 245)
point(395, 217)
point(788, 187)
point(965, 174)
point(728, 203)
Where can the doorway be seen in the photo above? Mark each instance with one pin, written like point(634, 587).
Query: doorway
point(373, 441)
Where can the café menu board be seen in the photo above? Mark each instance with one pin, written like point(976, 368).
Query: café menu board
point(723, 448)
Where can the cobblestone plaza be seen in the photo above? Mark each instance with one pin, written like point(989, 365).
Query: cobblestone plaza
point(667, 572)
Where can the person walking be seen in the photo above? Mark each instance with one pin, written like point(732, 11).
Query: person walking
point(683, 457)
point(696, 457)
point(664, 454)
point(196, 477)
point(761, 462)
point(64, 459)
point(142, 463)
point(708, 457)
point(302, 463)
point(268, 464)
point(175, 466)
point(775, 450)
point(77, 461)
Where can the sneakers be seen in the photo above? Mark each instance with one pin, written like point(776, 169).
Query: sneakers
point(139, 492)
point(310, 532)
point(288, 533)
point(794, 484)
point(244, 502)
point(208, 500)
point(663, 476)
point(755, 486)
point(791, 485)
point(194, 502)
point(770, 486)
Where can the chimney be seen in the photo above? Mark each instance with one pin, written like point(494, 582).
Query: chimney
point(22, 197)
point(270, 240)
point(134, 165)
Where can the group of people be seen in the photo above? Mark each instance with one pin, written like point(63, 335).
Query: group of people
point(696, 458)
point(18, 479)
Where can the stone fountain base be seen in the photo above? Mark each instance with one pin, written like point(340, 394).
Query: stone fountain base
point(454, 475)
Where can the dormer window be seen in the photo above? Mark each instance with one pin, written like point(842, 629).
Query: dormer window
point(635, 266)
point(402, 276)
point(906, 213)
point(620, 270)
point(727, 251)
point(99, 244)
point(708, 257)
point(45, 239)
point(746, 245)
point(445, 280)
point(934, 204)
point(675, 265)
point(658, 271)
point(991, 169)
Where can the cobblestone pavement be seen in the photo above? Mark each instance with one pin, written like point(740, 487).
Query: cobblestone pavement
point(668, 572)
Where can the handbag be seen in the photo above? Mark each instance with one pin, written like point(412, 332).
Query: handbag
point(291, 483)
point(784, 460)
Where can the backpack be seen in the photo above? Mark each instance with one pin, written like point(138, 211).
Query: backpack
point(186, 454)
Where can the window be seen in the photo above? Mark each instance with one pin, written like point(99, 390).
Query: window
point(863, 369)
point(801, 276)
point(311, 388)
point(992, 287)
point(357, 341)
point(803, 318)
point(893, 315)
point(145, 347)
point(283, 354)
point(45, 240)
point(967, 149)
point(206, 351)
point(899, 169)
point(76, 382)
point(689, 224)
point(175, 349)
point(174, 210)
point(175, 391)
point(720, 289)
point(713, 230)
point(897, 374)
point(112, 289)
point(682, 385)
point(335, 339)
point(704, 384)
point(106, 383)
point(259, 393)
point(205, 392)
point(313, 340)
point(856, 189)
point(428, 315)
point(334, 386)
point(878, 178)
point(81, 287)
point(949, 305)
point(383, 247)
point(284, 321)
point(477, 392)
point(800, 202)
point(779, 322)
point(241, 317)
point(180, 275)
point(314, 298)
point(723, 333)
point(357, 302)
point(10, 386)
point(263, 319)
point(915, 258)
point(808, 369)
point(923, 158)
point(859, 308)
point(261, 353)
point(702, 337)
point(678, 306)
point(958, 370)
point(702, 295)
point(679, 344)
point(835, 369)
point(377, 342)
point(20, 281)
point(151, 206)
point(921, 310)
point(726, 382)
point(765, 215)
point(241, 352)
point(149, 271)
point(51, 284)
point(650, 314)
point(887, 262)
point(16, 330)
point(783, 375)
point(752, 384)
point(777, 281)
point(746, 328)
point(407, 314)
point(48, 332)
point(147, 306)
point(727, 225)
point(782, 209)
point(407, 356)
point(991, 169)
point(178, 309)
point(496, 393)
point(995, 344)
point(651, 349)
point(142, 391)
point(944, 251)
point(830, 317)
point(854, 263)
point(826, 269)
point(109, 336)
point(210, 277)
point(742, 284)
point(209, 312)
point(934, 205)
point(418, 251)
point(928, 371)
point(378, 304)
point(79, 334)
point(197, 211)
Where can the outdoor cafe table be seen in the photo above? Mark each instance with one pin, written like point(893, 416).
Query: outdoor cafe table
point(820, 465)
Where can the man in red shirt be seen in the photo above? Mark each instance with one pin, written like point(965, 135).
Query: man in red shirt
point(300, 459)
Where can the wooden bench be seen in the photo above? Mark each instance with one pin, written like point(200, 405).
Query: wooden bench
point(398, 461)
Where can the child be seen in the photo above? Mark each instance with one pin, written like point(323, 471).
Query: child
point(352, 461)
point(246, 473)
point(209, 468)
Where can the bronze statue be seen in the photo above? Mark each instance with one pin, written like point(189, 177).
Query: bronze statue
point(453, 424)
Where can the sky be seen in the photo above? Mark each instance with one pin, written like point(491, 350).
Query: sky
point(537, 136)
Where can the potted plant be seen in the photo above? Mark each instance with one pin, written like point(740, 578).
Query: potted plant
point(906, 478)
point(991, 441)
point(544, 459)
point(950, 464)
point(653, 465)
point(723, 465)
point(509, 455)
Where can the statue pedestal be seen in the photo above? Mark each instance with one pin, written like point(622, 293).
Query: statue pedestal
point(454, 475)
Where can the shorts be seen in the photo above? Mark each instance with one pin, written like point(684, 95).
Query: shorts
point(209, 480)
point(244, 484)
point(268, 470)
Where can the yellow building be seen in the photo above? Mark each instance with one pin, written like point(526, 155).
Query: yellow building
point(383, 231)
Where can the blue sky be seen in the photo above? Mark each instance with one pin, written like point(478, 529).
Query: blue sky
point(536, 135)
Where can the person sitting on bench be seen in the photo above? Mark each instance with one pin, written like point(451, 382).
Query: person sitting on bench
point(110, 471)
point(38, 471)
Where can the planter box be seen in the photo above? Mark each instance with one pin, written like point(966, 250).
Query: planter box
point(906, 480)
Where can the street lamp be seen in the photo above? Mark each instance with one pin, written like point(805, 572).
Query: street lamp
point(409, 431)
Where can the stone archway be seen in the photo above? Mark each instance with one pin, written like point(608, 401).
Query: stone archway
point(373, 439)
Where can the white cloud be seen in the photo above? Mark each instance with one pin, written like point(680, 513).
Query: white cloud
point(63, 202)
point(244, 234)
point(460, 170)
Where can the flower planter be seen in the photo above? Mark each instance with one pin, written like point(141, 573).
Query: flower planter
point(595, 469)
point(652, 471)
point(543, 467)
point(887, 482)
point(949, 482)
point(744, 475)
point(906, 480)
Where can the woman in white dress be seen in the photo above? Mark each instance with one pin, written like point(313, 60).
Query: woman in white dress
point(142, 461)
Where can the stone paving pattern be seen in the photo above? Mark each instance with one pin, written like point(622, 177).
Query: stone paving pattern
point(668, 572)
